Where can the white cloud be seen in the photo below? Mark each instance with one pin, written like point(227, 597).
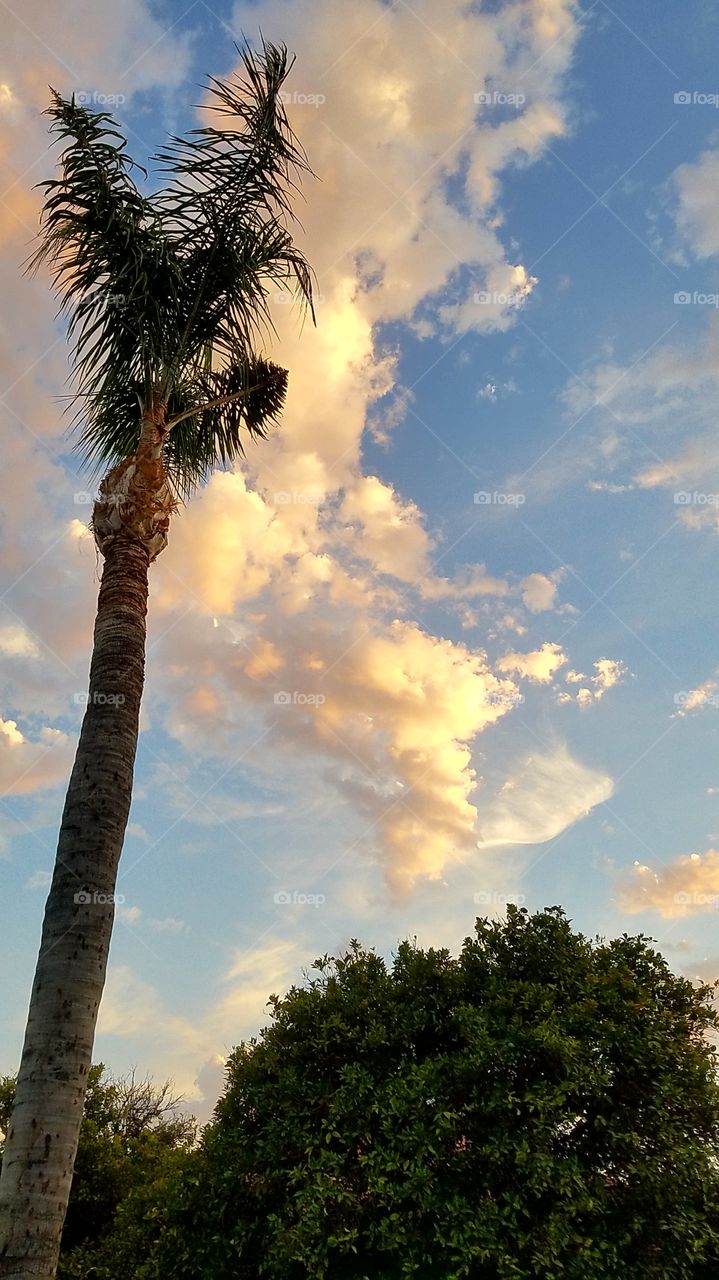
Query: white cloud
point(129, 915)
point(539, 665)
point(608, 673)
point(495, 390)
point(688, 700)
point(26, 764)
point(16, 642)
point(169, 924)
point(664, 401)
point(547, 792)
point(696, 186)
point(132, 1009)
point(539, 592)
point(389, 531)
point(688, 886)
point(301, 534)
point(39, 880)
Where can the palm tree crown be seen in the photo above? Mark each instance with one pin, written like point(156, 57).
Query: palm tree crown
point(166, 295)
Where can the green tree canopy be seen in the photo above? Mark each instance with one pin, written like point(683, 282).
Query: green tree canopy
point(539, 1106)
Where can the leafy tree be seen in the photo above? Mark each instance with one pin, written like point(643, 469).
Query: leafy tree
point(539, 1106)
point(134, 1134)
point(166, 298)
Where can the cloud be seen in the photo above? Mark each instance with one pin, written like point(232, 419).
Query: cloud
point(672, 391)
point(105, 55)
point(688, 886)
point(391, 532)
point(310, 568)
point(26, 764)
point(546, 793)
point(494, 390)
point(409, 238)
point(637, 390)
point(539, 665)
point(394, 709)
point(705, 695)
point(696, 187)
point(608, 673)
point(539, 592)
point(665, 400)
point(324, 553)
point(15, 642)
point(133, 1009)
point(134, 916)
point(39, 880)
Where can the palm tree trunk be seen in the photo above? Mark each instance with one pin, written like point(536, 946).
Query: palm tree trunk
point(45, 1124)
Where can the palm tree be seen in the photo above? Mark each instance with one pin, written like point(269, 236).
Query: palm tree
point(167, 299)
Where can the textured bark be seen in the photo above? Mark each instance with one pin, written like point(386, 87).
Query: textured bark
point(135, 497)
point(45, 1124)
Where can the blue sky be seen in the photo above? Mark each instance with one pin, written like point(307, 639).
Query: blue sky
point(510, 699)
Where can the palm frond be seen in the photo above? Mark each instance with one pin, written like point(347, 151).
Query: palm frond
point(114, 271)
point(210, 413)
point(228, 209)
point(215, 411)
point(168, 296)
point(245, 170)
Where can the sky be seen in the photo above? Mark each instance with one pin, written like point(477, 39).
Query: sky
point(448, 639)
